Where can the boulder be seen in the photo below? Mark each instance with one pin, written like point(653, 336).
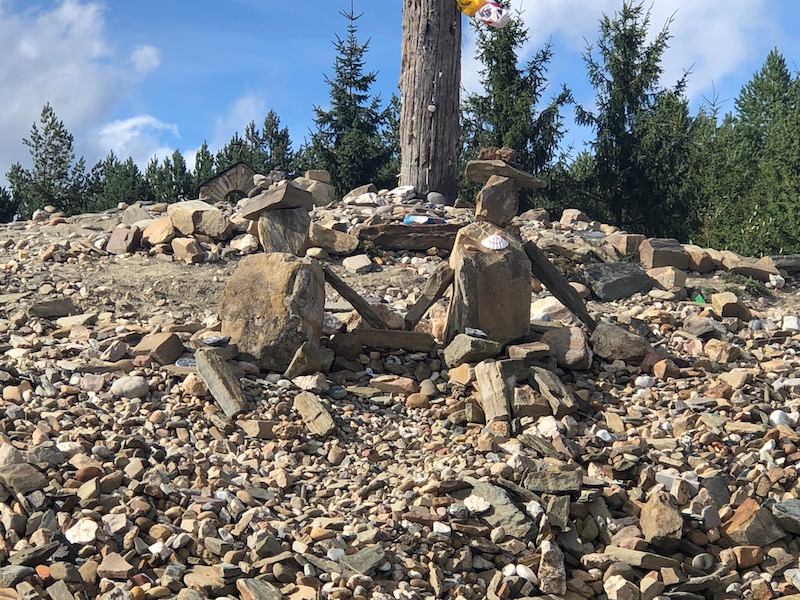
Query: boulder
point(491, 288)
point(626, 243)
point(498, 201)
point(194, 217)
point(663, 252)
point(479, 171)
point(322, 193)
point(668, 277)
point(571, 216)
point(284, 195)
point(284, 230)
point(123, 240)
point(615, 343)
point(570, 347)
point(331, 240)
point(700, 259)
point(271, 305)
point(726, 304)
point(160, 231)
point(612, 281)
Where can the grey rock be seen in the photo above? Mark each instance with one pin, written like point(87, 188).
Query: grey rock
point(787, 514)
point(613, 281)
point(466, 349)
point(22, 478)
point(13, 574)
point(503, 512)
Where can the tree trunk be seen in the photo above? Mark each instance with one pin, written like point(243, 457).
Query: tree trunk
point(430, 83)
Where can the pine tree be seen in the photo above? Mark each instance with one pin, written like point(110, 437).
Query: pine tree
point(625, 74)
point(236, 150)
point(56, 178)
point(348, 140)
point(276, 143)
point(111, 182)
point(507, 113)
point(8, 206)
point(170, 180)
point(203, 166)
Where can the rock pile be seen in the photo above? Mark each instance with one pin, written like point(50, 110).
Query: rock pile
point(148, 451)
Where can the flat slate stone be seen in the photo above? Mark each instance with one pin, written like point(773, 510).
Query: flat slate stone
point(613, 281)
point(22, 478)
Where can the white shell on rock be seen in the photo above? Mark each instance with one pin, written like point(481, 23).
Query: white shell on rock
point(494, 242)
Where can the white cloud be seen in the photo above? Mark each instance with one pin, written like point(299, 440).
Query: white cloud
point(714, 40)
point(61, 55)
point(246, 108)
point(145, 59)
point(140, 137)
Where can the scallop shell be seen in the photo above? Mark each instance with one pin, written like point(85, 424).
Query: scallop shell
point(494, 242)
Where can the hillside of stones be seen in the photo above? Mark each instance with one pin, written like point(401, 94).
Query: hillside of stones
point(646, 449)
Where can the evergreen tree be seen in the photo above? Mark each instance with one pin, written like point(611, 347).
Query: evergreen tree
point(236, 150)
point(348, 141)
point(8, 206)
point(203, 166)
point(277, 144)
point(751, 187)
point(56, 178)
point(170, 180)
point(625, 74)
point(111, 182)
point(506, 113)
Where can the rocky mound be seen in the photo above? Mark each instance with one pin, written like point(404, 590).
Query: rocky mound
point(144, 454)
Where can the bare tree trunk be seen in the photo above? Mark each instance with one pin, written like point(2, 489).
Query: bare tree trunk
point(430, 83)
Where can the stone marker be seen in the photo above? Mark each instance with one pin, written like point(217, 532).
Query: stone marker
point(496, 392)
point(480, 171)
point(284, 230)
point(498, 201)
point(285, 195)
point(314, 414)
point(223, 386)
point(271, 305)
point(492, 288)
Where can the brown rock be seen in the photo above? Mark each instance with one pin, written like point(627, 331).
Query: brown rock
point(271, 305)
point(498, 201)
point(194, 217)
point(282, 196)
point(124, 240)
point(748, 556)
point(570, 347)
point(187, 249)
point(284, 230)
point(613, 342)
point(753, 525)
point(491, 289)
point(726, 304)
point(668, 277)
point(160, 231)
point(663, 252)
point(164, 347)
point(626, 243)
point(115, 567)
point(661, 522)
point(418, 400)
point(331, 240)
point(700, 259)
point(721, 351)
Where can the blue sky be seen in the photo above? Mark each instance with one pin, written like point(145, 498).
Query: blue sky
point(144, 77)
